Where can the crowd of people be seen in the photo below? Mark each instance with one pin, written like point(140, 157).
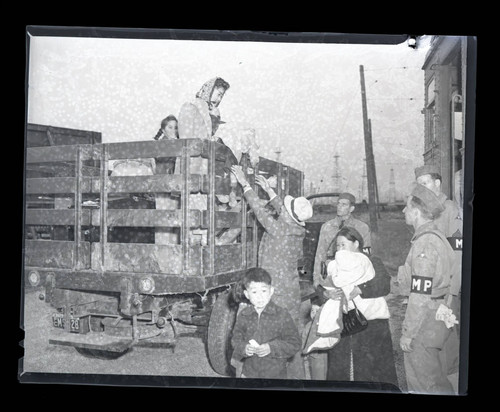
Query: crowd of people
point(271, 340)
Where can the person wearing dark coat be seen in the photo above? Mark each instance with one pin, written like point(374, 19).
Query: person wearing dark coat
point(367, 356)
point(264, 335)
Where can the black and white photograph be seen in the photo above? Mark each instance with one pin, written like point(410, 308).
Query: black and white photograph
point(248, 210)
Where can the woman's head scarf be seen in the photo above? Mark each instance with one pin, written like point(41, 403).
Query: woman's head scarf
point(207, 89)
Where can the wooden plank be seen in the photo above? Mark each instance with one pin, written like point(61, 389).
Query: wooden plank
point(154, 148)
point(146, 258)
point(110, 281)
point(223, 279)
point(222, 152)
point(60, 135)
point(55, 253)
point(146, 217)
point(56, 185)
point(222, 185)
point(208, 264)
point(223, 219)
point(54, 217)
point(152, 184)
point(226, 258)
point(63, 153)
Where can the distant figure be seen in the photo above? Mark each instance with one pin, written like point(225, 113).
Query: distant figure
point(326, 245)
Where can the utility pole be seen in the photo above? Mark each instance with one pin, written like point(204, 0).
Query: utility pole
point(363, 180)
point(392, 188)
point(370, 161)
point(375, 182)
point(336, 175)
point(277, 150)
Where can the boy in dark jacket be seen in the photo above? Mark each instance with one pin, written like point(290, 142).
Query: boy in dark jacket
point(264, 335)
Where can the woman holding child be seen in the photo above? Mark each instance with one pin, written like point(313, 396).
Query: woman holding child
point(368, 355)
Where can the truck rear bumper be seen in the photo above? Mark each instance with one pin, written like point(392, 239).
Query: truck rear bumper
point(92, 340)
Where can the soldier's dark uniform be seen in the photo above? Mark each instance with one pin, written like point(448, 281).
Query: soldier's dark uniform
point(427, 275)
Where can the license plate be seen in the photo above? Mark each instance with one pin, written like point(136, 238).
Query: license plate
point(59, 321)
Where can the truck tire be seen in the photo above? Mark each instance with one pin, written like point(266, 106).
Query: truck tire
point(219, 334)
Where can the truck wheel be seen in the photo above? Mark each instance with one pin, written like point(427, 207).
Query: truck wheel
point(220, 329)
point(99, 353)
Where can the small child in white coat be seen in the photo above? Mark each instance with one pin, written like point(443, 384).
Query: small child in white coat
point(348, 270)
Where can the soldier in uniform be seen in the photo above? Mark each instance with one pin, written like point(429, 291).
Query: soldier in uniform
point(451, 224)
point(426, 275)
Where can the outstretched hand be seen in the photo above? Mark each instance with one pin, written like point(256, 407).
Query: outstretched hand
point(262, 182)
point(239, 174)
point(406, 344)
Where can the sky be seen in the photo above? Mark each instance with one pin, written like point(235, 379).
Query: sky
point(303, 98)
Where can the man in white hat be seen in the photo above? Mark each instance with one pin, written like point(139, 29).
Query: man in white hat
point(280, 249)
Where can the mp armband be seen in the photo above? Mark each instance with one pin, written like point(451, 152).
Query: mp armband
point(421, 285)
point(456, 243)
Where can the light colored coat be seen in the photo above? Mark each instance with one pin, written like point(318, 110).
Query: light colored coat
point(279, 252)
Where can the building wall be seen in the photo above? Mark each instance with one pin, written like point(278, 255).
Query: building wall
point(444, 70)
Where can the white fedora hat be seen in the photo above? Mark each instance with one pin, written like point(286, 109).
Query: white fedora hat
point(299, 208)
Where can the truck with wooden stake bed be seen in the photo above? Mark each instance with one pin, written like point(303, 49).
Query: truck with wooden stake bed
point(120, 250)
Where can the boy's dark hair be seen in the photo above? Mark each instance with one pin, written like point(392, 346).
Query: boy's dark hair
point(251, 275)
point(256, 275)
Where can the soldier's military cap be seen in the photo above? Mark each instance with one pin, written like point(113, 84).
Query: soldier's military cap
point(348, 196)
point(426, 170)
point(429, 199)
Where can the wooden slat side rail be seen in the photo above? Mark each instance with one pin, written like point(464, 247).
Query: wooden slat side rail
point(227, 258)
point(54, 217)
point(154, 184)
point(146, 218)
point(244, 224)
point(55, 253)
point(148, 149)
point(38, 135)
point(78, 208)
point(146, 258)
point(223, 219)
point(56, 185)
point(185, 236)
point(58, 153)
point(209, 256)
point(103, 210)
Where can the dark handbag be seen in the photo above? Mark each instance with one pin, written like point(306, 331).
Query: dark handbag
point(354, 322)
